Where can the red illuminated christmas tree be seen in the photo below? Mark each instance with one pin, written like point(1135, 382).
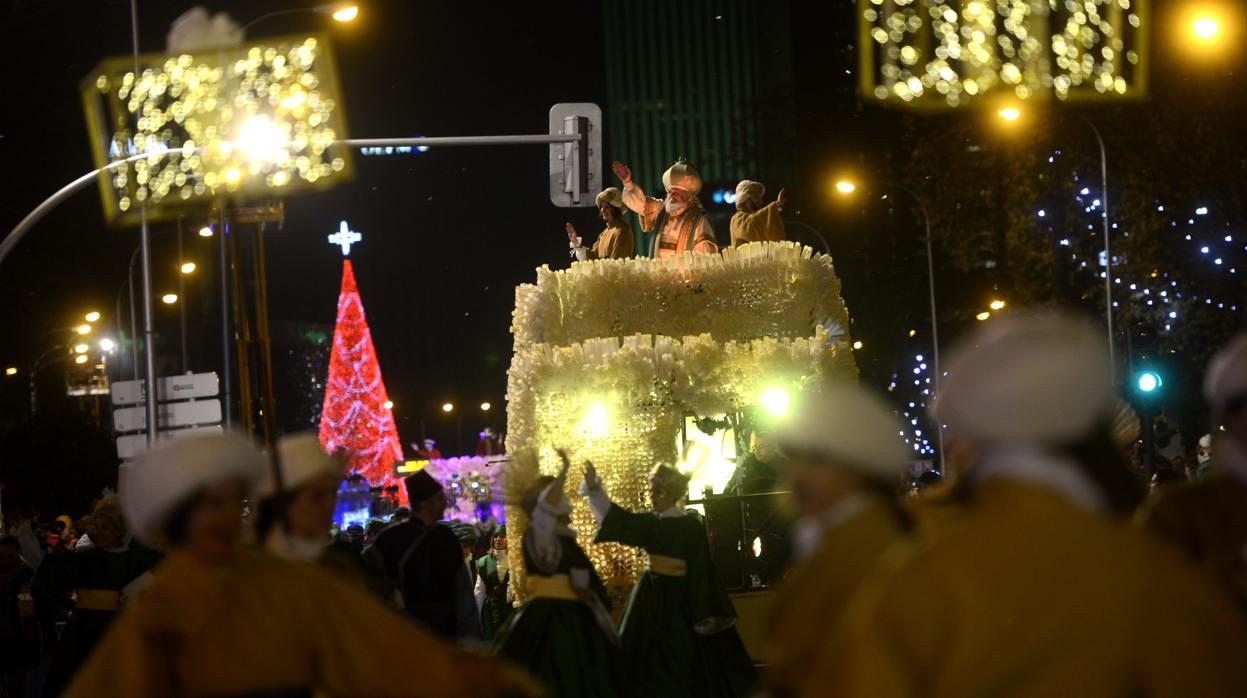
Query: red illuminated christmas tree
point(355, 418)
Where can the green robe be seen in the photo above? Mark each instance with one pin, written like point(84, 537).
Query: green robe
point(496, 609)
point(679, 634)
point(559, 641)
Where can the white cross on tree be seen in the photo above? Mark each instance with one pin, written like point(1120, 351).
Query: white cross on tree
point(345, 237)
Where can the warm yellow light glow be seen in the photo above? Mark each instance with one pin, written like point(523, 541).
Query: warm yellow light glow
point(80, 359)
point(1205, 28)
point(844, 186)
point(997, 305)
point(857, 344)
point(982, 316)
point(1009, 114)
point(188, 267)
point(913, 332)
point(346, 14)
point(388, 404)
point(485, 407)
point(83, 329)
point(107, 344)
point(205, 232)
point(232, 175)
point(448, 407)
point(169, 298)
point(92, 316)
point(774, 401)
point(594, 422)
point(294, 100)
point(81, 348)
point(411, 466)
point(261, 139)
point(10, 371)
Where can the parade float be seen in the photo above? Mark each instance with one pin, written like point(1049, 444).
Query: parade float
point(634, 362)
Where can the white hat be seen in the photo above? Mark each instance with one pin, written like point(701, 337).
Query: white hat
point(849, 425)
point(682, 175)
point(301, 458)
point(610, 196)
point(1033, 379)
point(749, 189)
point(164, 476)
point(1226, 380)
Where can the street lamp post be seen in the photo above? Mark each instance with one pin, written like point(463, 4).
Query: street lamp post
point(846, 187)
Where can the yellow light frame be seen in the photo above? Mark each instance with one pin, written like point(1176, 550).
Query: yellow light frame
point(188, 102)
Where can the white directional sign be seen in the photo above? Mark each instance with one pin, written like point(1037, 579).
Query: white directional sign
point(169, 414)
point(131, 445)
point(191, 385)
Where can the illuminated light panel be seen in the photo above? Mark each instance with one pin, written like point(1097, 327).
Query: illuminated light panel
point(940, 53)
point(248, 119)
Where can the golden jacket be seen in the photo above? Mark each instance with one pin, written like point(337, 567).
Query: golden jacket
point(764, 225)
point(818, 592)
point(1032, 595)
point(260, 624)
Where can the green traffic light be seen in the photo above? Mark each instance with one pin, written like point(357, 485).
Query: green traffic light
point(1149, 382)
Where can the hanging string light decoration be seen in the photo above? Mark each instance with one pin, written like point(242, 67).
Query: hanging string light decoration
point(940, 53)
point(354, 418)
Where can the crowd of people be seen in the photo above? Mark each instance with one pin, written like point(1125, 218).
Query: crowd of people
point(1038, 565)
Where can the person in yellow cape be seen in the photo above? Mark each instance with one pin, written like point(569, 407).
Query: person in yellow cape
point(1208, 519)
point(220, 620)
point(844, 458)
point(1042, 588)
point(754, 221)
point(615, 242)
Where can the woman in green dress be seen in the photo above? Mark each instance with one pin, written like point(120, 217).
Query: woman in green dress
point(563, 634)
point(679, 629)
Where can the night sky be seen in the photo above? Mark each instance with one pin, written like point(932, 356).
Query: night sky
point(448, 234)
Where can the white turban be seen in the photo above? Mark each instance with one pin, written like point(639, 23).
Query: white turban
point(1226, 379)
point(850, 426)
point(682, 175)
point(749, 190)
point(301, 458)
point(163, 477)
point(1028, 380)
point(610, 196)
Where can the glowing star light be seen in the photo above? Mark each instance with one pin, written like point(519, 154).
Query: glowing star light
point(345, 237)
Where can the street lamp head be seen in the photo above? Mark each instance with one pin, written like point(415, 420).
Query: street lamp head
point(169, 298)
point(1009, 114)
point(92, 316)
point(388, 404)
point(81, 348)
point(1205, 28)
point(10, 371)
point(340, 11)
point(83, 329)
point(80, 359)
point(997, 305)
point(485, 407)
point(844, 186)
point(107, 344)
point(205, 232)
point(448, 407)
point(857, 345)
point(188, 267)
point(982, 316)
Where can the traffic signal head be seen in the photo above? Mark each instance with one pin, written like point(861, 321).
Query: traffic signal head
point(1148, 382)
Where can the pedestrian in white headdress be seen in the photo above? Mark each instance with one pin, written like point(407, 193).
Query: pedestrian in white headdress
point(755, 221)
point(615, 242)
point(676, 224)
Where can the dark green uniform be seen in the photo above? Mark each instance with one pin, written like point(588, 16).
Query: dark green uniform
point(496, 609)
point(559, 640)
point(679, 634)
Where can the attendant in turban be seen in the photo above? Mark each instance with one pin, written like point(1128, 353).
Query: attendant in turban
point(753, 221)
point(615, 242)
point(1041, 588)
point(844, 459)
point(424, 562)
point(676, 224)
point(1208, 520)
point(679, 629)
point(218, 619)
point(493, 584)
